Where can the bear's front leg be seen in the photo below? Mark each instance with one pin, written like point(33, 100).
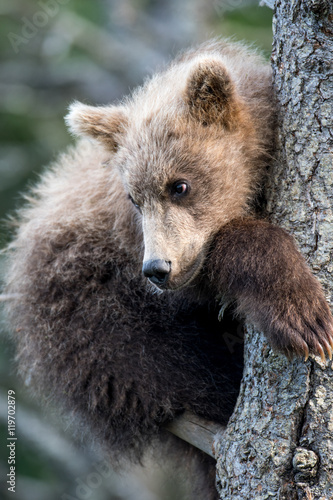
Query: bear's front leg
point(259, 266)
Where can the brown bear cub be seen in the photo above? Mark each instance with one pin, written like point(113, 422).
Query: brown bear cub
point(130, 238)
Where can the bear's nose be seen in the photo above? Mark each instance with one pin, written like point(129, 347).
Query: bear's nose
point(157, 271)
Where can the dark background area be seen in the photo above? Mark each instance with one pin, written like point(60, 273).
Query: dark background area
point(51, 53)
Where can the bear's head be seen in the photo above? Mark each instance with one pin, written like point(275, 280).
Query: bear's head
point(189, 153)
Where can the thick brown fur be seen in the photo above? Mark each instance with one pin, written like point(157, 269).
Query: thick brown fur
point(90, 329)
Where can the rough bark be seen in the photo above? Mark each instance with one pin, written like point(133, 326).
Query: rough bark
point(279, 442)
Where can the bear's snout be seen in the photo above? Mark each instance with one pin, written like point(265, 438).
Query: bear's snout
point(157, 271)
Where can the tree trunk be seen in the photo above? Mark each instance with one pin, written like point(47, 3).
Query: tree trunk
point(279, 442)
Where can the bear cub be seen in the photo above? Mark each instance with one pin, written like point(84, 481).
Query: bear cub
point(133, 236)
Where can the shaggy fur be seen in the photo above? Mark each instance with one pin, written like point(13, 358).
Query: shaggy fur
point(91, 331)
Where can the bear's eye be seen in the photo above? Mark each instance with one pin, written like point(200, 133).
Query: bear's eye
point(135, 204)
point(180, 189)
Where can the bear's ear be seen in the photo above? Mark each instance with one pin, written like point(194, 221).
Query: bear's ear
point(104, 123)
point(210, 94)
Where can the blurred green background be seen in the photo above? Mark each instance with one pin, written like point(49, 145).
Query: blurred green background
point(52, 52)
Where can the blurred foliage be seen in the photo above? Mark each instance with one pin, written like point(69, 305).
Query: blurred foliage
point(249, 23)
point(52, 52)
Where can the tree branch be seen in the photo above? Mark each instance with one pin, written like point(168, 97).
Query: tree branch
point(197, 431)
point(6, 297)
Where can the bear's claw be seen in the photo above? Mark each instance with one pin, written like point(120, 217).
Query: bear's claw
point(301, 335)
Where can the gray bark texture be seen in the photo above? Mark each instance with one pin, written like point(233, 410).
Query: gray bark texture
point(279, 442)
